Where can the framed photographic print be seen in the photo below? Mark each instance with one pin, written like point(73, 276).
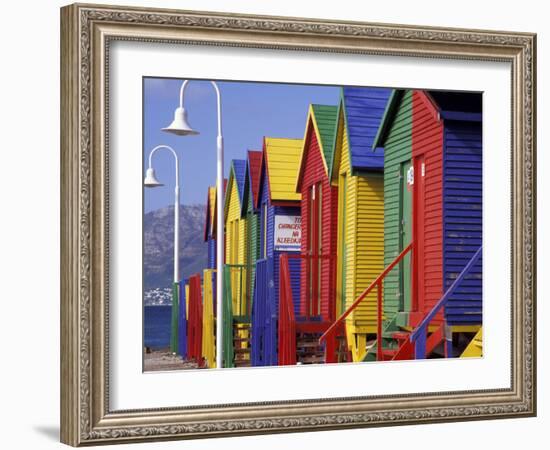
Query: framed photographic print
point(276, 225)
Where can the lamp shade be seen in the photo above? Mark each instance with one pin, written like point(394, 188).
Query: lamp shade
point(179, 125)
point(151, 179)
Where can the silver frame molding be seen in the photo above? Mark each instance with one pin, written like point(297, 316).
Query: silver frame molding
point(86, 32)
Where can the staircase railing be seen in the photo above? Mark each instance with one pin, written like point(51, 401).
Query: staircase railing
point(419, 335)
point(287, 320)
point(378, 284)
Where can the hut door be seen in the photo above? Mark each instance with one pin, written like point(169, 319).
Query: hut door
point(418, 232)
point(314, 250)
point(405, 221)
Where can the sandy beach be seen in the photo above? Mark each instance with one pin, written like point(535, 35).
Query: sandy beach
point(157, 360)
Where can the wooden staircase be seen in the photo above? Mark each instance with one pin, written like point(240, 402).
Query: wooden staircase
point(397, 345)
point(241, 344)
point(237, 330)
point(310, 351)
point(299, 337)
point(392, 341)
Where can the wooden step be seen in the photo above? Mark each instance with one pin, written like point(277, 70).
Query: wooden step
point(400, 335)
point(243, 363)
point(314, 359)
point(308, 354)
point(308, 344)
point(241, 350)
point(388, 353)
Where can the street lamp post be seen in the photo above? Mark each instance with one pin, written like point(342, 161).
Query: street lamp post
point(180, 127)
point(151, 182)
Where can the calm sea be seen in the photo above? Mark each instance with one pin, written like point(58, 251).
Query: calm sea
point(157, 326)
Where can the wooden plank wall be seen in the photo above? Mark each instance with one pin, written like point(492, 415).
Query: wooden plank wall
point(315, 172)
point(427, 140)
point(463, 218)
point(398, 148)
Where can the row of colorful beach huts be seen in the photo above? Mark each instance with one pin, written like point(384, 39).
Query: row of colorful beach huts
point(359, 241)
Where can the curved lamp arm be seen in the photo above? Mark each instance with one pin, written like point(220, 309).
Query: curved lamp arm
point(158, 147)
point(218, 98)
point(176, 207)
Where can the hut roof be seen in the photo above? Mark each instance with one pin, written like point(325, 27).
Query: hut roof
point(211, 208)
point(363, 110)
point(237, 172)
point(281, 159)
point(254, 165)
point(465, 106)
point(323, 120)
point(209, 211)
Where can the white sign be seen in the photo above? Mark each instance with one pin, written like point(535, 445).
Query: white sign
point(288, 233)
point(410, 176)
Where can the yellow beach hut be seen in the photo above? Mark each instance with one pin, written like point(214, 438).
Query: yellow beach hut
point(357, 170)
point(236, 296)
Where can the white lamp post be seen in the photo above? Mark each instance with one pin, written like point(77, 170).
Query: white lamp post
point(151, 182)
point(180, 127)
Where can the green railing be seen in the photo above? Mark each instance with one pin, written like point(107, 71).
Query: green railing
point(228, 354)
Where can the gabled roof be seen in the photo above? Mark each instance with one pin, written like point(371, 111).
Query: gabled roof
point(465, 106)
point(237, 172)
point(363, 109)
point(281, 158)
point(253, 171)
point(212, 207)
point(209, 210)
point(321, 120)
point(324, 121)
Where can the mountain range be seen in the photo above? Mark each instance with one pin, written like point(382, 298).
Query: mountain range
point(158, 242)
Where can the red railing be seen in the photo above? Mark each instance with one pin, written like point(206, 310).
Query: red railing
point(313, 305)
point(287, 321)
point(333, 329)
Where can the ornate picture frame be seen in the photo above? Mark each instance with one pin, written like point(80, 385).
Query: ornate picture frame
point(86, 34)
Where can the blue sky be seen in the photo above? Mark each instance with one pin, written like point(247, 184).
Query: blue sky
point(250, 111)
